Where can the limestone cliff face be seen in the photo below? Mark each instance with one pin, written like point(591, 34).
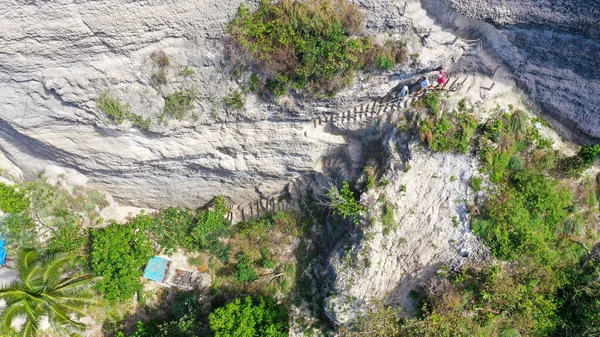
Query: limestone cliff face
point(550, 46)
point(58, 57)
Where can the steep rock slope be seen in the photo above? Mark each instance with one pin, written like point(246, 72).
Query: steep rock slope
point(550, 46)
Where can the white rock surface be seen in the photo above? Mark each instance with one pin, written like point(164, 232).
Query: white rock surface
point(433, 230)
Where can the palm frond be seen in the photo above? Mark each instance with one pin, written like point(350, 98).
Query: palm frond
point(29, 329)
point(9, 314)
point(60, 315)
point(75, 284)
point(54, 266)
point(25, 260)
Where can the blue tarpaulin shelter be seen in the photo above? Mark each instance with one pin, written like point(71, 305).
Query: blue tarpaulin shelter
point(156, 270)
point(2, 250)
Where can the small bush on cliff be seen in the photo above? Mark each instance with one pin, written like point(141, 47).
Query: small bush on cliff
point(179, 103)
point(235, 100)
point(113, 108)
point(118, 112)
point(343, 202)
point(448, 132)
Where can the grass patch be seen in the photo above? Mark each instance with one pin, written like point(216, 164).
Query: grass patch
point(449, 132)
point(187, 72)
point(179, 103)
point(118, 111)
point(235, 100)
point(476, 183)
point(387, 219)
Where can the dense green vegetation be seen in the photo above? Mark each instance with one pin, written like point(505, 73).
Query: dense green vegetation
point(46, 287)
point(12, 201)
point(306, 44)
point(118, 253)
point(248, 318)
point(449, 132)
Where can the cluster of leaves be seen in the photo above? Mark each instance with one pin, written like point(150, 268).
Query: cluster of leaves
point(177, 228)
point(12, 200)
point(248, 318)
point(344, 203)
point(304, 43)
point(179, 103)
point(118, 253)
point(450, 132)
point(244, 271)
point(118, 111)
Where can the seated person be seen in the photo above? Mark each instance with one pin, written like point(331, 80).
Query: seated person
point(403, 94)
point(424, 86)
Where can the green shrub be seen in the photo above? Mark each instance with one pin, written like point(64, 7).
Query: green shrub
point(172, 229)
point(448, 133)
point(212, 226)
point(515, 163)
point(385, 62)
point(248, 318)
point(235, 100)
point(118, 253)
point(267, 261)
point(521, 219)
point(301, 43)
point(12, 201)
point(253, 81)
point(343, 203)
point(244, 271)
point(432, 101)
point(139, 121)
point(187, 72)
point(179, 103)
point(387, 218)
point(476, 183)
point(116, 111)
point(518, 122)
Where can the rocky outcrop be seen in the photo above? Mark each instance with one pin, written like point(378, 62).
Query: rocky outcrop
point(430, 227)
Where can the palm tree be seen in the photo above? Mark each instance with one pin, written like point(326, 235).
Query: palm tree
point(45, 289)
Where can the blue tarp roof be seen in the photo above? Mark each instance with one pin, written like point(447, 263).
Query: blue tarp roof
point(156, 270)
point(2, 250)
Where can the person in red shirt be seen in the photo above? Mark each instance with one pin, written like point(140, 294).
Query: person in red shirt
point(442, 79)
